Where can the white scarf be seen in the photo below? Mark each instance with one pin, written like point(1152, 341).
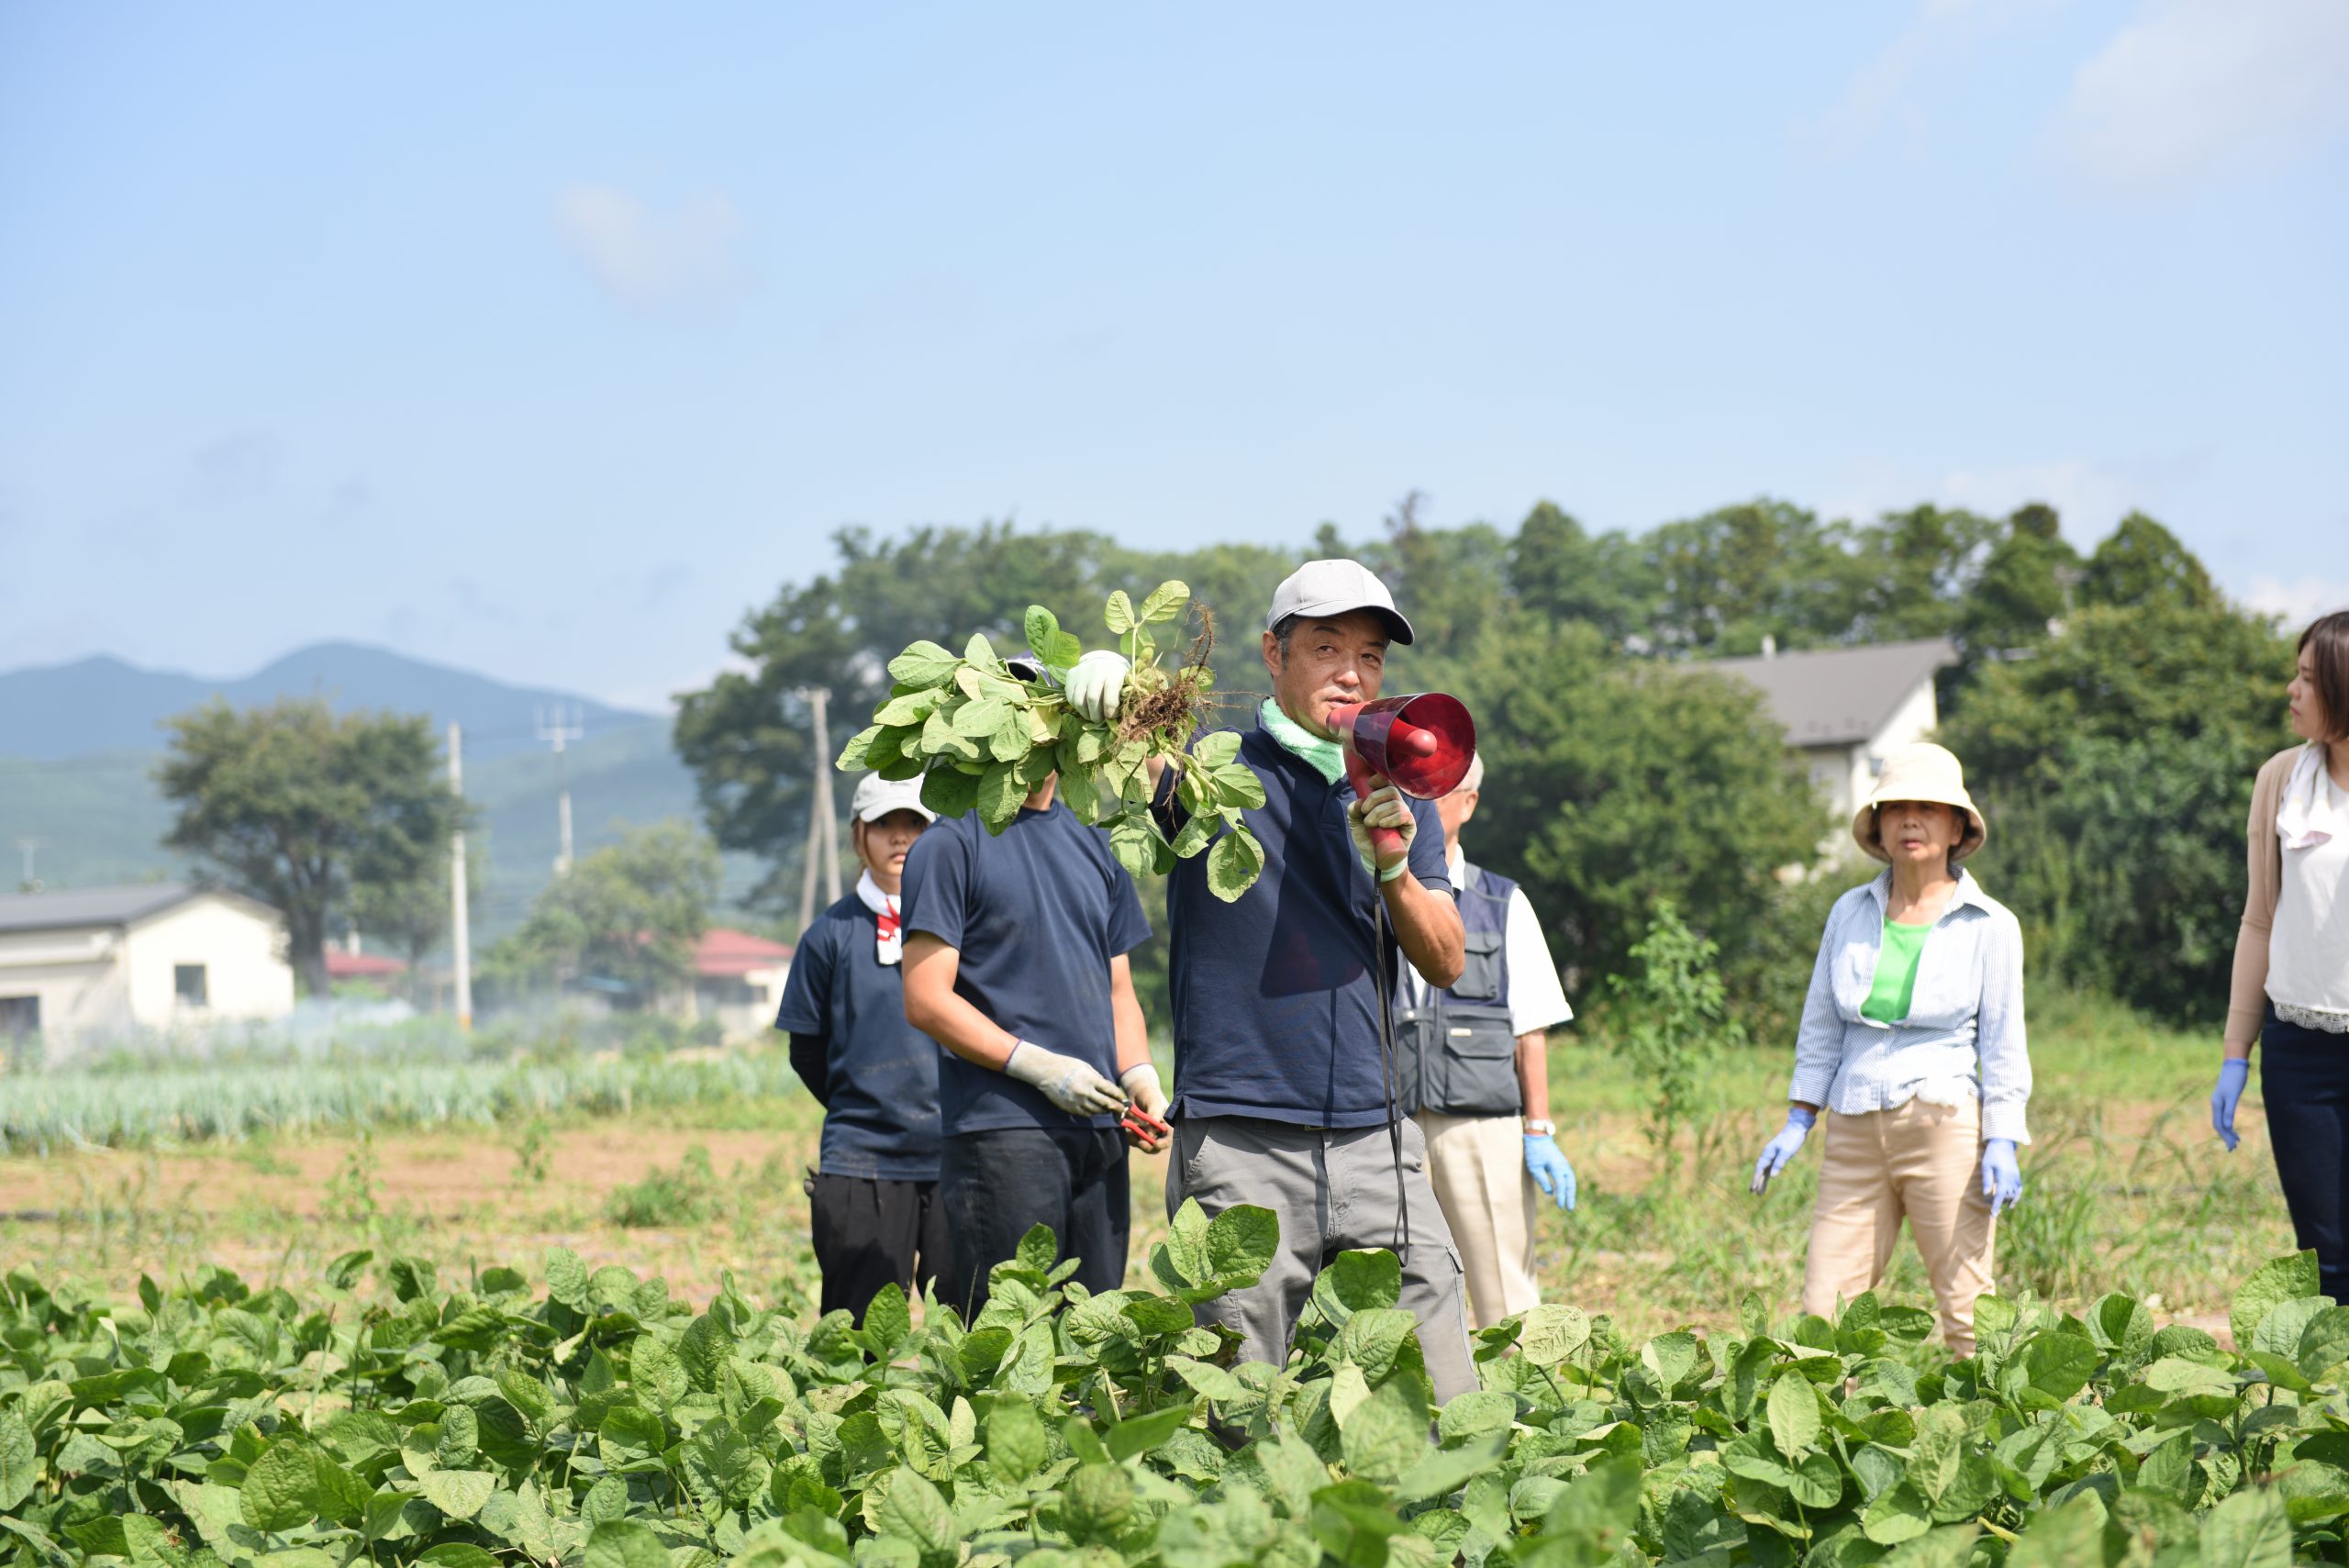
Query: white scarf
point(892, 940)
point(2304, 818)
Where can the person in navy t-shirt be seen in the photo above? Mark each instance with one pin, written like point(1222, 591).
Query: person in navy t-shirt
point(1016, 949)
point(1282, 1095)
point(873, 1199)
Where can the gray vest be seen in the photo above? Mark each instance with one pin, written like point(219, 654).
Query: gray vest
point(1455, 1053)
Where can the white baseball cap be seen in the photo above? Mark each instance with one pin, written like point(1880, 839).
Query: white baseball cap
point(1334, 588)
point(875, 797)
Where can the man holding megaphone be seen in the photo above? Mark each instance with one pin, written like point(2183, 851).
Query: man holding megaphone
point(1283, 1075)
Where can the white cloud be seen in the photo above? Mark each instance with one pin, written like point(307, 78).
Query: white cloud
point(2299, 601)
point(1941, 33)
point(2190, 89)
point(685, 259)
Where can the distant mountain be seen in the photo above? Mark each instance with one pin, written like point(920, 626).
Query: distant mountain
point(103, 705)
point(79, 743)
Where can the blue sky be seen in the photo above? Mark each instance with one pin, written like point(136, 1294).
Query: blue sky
point(545, 339)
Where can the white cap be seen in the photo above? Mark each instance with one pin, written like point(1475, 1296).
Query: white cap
point(875, 797)
point(1334, 588)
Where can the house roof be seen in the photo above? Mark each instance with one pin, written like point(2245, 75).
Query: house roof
point(723, 950)
point(344, 965)
point(70, 908)
point(1840, 696)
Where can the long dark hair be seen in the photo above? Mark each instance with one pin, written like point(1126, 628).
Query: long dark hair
point(2326, 643)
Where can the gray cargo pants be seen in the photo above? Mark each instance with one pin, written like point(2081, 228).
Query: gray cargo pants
point(1333, 1190)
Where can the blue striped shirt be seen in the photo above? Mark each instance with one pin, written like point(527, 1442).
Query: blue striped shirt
point(1964, 1033)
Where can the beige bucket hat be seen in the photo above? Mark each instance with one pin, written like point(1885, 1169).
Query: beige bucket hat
point(1923, 772)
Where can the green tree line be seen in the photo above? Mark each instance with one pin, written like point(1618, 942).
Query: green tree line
point(2111, 709)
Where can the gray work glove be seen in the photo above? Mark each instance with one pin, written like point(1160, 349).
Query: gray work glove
point(1063, 1080)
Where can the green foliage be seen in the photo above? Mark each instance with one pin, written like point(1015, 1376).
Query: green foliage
point(598, 1420)
point(979, 736)
point(1611, 785)
point(628, 915)
point(299, 806)
point(2142, 565)
point(1671, 1016)
point(2115, 769)
point(670, 1200)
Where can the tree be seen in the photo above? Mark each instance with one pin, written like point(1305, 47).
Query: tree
point(413, 916)
point(1559, 569)
point(2142, 563)
point(1614, 785)
point(2114, 768)
point(2024, 588)
point(295, 805)
point(1917, 566)
point(1761, 568)
point(629, 914)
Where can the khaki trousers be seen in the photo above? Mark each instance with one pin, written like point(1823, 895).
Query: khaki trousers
point(1918, 1160)
point(1476, 1164)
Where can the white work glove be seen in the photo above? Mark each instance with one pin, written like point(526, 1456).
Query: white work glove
point(1140, 1084)
point(1063, 1080)
point(1097, 684)
point(1384, 808)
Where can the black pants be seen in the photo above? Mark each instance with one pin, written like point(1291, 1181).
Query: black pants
point(869, 1232)
point(2304, 1081)
point(1000, 1183)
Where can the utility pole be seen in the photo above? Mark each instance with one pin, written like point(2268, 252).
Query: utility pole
point(823, 832)
point(460, 930)
point(560, 732)
point(30, 847)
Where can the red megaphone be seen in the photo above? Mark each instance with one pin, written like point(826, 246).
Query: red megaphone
point(1422, 745)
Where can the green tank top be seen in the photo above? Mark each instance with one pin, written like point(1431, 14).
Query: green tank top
point(1895, 972)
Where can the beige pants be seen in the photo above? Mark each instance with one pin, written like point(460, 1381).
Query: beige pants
point(1476, 1164)
point(1919, 1161)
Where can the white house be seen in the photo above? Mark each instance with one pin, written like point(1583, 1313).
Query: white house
point(739, 980)
point(89, 962)
point(1846, 709)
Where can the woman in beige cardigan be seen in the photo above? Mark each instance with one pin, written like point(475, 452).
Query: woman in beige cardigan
point(2291, 977)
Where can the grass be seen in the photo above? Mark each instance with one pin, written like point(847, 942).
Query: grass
point(700, 1174)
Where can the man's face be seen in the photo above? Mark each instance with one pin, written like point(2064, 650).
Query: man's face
point(1455, 810)
point(1330, 660)
point(882, 845)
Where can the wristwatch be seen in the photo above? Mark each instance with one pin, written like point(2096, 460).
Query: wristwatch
point(1537, 1128)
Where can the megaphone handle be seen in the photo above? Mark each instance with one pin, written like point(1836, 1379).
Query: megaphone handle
point(1364, 779)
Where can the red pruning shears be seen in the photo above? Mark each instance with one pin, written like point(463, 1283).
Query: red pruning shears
point(1143, 1126)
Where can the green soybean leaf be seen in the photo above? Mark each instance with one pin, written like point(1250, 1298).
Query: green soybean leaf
point(1017, 1443)
point(2249, 1530)
point(1793, 1415)
point(1166, 602)
point(2324, 1342)
point(1551, 1334)
point(1234, 863)
point(1041, 627)
point(888, 1323)
point(2059, 1365)
point(1139, 1434)
point(1597, 1508)
point(914, 1512)
point(631, 1439)
point(998, 796)
point(458, 1554)
point(922, 664)
point(1120, 616)
point(458, 1493)
point(1241, 1242)
point(281, 1488)
point(1357, 1280)
point(20, 1460)
point(2276, 1280)
point(623, 1543)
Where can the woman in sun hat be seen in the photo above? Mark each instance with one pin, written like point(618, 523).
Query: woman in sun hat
point(1912, 1035)
point(2291, 975)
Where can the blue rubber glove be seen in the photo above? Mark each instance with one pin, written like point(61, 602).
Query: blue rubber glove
point(2001, 1177)
point(2233, 1073)
point(1781, 1149)
point(1549, 1168)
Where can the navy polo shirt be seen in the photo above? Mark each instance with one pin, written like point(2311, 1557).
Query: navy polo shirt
point(1276, 1004)
point(1036, 914)
point(881, 1072)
